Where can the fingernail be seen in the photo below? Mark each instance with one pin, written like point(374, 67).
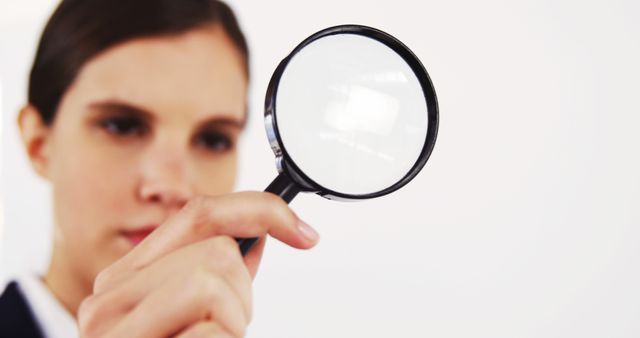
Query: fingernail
point(307, 231)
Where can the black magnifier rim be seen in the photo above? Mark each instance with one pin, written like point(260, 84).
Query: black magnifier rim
point(418, 69)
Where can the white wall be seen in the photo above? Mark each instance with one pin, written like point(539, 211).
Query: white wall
point(524, 223)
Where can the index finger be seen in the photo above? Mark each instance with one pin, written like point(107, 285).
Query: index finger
point(244, 214)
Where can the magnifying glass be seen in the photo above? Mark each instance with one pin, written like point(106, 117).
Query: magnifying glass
point(350, 114)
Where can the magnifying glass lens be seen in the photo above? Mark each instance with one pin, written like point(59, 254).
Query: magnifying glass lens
point(351, 114)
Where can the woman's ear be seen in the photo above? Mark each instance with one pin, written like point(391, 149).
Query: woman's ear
point(35, 138)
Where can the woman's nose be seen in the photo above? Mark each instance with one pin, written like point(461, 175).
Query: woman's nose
point(164, 179)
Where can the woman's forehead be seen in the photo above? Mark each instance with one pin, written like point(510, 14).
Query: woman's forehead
point(199, 72)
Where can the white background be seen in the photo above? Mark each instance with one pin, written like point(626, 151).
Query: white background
point(524, 223)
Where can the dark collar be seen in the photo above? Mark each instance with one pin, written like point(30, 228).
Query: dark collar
point(16, 317)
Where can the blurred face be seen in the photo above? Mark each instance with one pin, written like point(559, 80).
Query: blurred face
point(145, 126)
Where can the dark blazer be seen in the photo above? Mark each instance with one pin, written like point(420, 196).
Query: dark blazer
point(16, 318)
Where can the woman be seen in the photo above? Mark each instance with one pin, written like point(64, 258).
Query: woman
point(134, 112)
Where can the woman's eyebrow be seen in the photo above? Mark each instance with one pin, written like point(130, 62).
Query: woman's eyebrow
point(223, 121)
point(115, 106)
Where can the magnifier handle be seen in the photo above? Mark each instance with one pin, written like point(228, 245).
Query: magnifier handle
point(282, 186)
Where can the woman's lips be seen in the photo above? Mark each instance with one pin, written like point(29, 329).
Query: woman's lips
point(136, 236)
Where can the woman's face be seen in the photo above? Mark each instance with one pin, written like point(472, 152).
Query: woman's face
point(145, 126)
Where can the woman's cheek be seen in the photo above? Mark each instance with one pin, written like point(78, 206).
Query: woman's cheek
point(93, 194)
point(90, 182)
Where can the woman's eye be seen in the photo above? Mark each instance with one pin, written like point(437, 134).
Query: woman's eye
point(123, 126)
point(214, 141)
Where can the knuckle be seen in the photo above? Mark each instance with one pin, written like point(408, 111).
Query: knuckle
point(272, 199)
point(202, 287)
point(195, 207)
point(204, 290)
point(88, 317)
point(197, 212)
point(109, 278)
point(196, 203)
point(286, 216)
point(206, 330)
point(200, 331)
point(209, 290)
point(228, 246)
point(221, 253)
point(101, 281)
point(274, 206)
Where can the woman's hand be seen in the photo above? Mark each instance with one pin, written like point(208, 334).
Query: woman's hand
point(188, 277)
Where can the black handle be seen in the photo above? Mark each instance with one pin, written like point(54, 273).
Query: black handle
point(282, 186)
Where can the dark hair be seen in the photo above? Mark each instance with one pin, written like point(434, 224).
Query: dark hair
point(78, 30)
